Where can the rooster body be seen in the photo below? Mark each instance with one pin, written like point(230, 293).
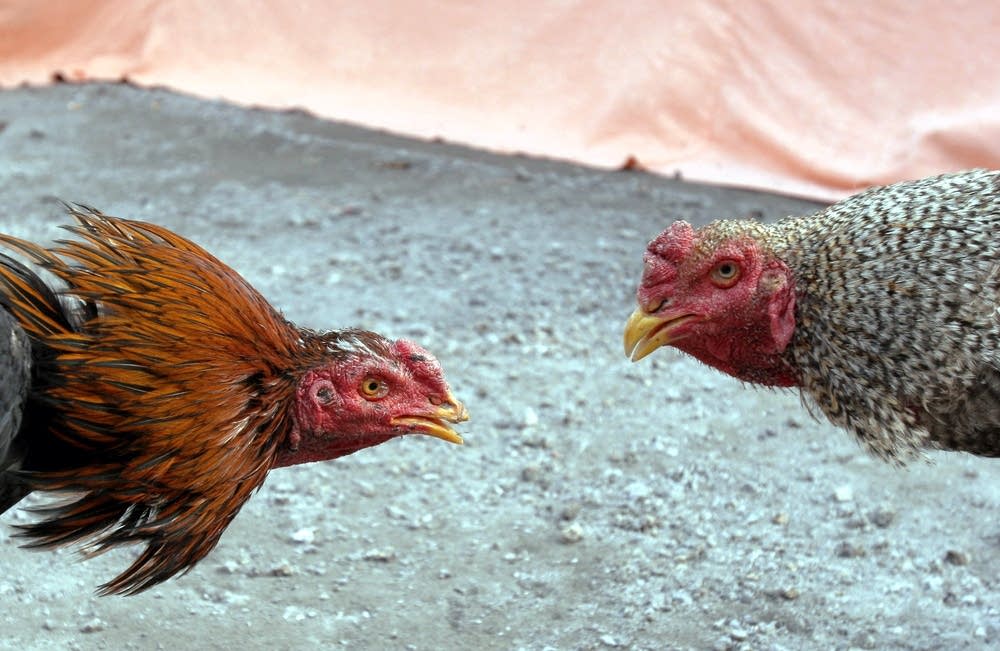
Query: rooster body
point(884, 309)
point(163, 388)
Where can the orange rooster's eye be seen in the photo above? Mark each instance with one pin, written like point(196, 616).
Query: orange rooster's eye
point(725, 274)
point(374, 389)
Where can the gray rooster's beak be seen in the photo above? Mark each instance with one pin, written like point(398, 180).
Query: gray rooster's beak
point(645, 332)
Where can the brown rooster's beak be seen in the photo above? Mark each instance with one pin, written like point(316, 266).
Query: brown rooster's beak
point(645, 332)
point(436, 422)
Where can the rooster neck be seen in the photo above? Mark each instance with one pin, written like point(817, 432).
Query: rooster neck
point(313, 448)
point(741, 362)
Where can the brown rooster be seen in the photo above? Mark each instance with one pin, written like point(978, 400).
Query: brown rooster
point(163, 388)
point(884, 309)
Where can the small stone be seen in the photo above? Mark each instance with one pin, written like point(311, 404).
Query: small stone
point(955, 557)
point(638, 490)
point(571, 533)
point(738, 634)
point(533, 439)
point(93, 626)
point(350, 210)
point(849, 550)
point(305, 535)
point(780, 518)
point(843, 494)
point(530, 417)
point(570, 511)
point(609, 640)
point(682, 596)
point(790, 594)
point(229, 567)
point(227, 597)
point(380, 555)
point(284, 569)
point(395, 512)
point(882, 517)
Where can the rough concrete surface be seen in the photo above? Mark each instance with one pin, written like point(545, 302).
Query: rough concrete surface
point(597, 503)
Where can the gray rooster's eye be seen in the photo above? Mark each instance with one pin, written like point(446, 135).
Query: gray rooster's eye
point(726, 273)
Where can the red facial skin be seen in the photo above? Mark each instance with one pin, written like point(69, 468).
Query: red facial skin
point(335, 417)
point(739, 325)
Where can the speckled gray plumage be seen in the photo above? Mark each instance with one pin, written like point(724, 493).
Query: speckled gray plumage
point(15, 369)
point(898, 313)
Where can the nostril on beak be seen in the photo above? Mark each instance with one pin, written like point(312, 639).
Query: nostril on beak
point(449, 408)
point(654, 308)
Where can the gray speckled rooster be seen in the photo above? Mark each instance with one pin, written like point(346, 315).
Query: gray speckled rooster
point(884, 309)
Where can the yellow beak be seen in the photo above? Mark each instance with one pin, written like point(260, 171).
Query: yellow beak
point(436, 422)
point(645, 332)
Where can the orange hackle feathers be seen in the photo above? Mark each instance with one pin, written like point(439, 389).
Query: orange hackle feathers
point(161, 390)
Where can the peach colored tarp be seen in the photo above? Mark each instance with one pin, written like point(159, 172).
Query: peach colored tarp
point(815, 98)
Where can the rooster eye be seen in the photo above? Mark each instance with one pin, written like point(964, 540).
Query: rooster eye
point(725, 274)
point(373, 388)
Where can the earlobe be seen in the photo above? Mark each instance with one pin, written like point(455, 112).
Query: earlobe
point(316, 398)
point(782, 313)
point(322, 392)
point(780, 307)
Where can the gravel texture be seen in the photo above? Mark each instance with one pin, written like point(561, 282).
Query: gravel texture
point(597, 503)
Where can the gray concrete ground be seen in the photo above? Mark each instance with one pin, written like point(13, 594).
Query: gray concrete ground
point(597, 504)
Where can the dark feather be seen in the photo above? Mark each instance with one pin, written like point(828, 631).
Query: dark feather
point(15, 369)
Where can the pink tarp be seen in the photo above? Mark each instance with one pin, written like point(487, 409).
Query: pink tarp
point(817, 98)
